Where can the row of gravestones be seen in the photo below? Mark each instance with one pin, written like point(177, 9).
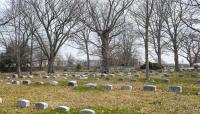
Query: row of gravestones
point(23, 103)
point(176, 89)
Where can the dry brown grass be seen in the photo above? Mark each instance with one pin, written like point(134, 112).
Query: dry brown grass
point(159, 102)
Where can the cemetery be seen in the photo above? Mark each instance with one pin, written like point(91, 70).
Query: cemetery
point(99, 57)
point(68, 94)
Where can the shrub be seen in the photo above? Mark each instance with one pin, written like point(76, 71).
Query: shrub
point(78, 67)
point(152, 66)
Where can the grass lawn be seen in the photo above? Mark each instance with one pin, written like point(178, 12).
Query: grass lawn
point(104, 102)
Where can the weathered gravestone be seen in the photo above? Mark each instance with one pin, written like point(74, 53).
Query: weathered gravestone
point(39, 83)
point(91, 85)
point(26, 82)
point(63, 108)
point(107, 87)
point(1, 100)
point(149, 88)
point(23, 103)
point(15, 76)
point(72, 83)
point(127, 87)
point(87, 111)
point(165, 80)
point(176, 89)
point(30, 76)
point(54, 83)
point(15, 82)
point(41, 105)
point(45, 77)
point(198, 82)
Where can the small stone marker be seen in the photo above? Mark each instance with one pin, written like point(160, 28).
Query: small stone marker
point(54, 83)
point(127, 87)
point(198, 93)
point(87, 111)
point(15, 76)
point(83, 78)
point(1, 81)
point(23, 103)
point(39, 83)
point(15, 82)
point(63, 108)
point(72, 83)
point(166, 75)
point(151, 81)
point(198, 82)
point(41, 105)
point(30, 76)
point(45, 77)
point(26, 82)
point(23, 76)
point(176, 89)
point(54, 77)
point(165, 80)
point(149, 88)
point(1, 100)
point(91, 85)
point(107, 87)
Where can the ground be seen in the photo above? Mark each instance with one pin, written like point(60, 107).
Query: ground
point(116, 101)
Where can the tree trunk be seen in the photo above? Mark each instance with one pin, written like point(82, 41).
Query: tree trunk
point(88, 56)
point(41, 60)
point(146, 41)
point(176, 59)
point(31, 57)
point(159, 49)
point(105, 52)
point(147, 56)
point(51, 65)
point(18, 67)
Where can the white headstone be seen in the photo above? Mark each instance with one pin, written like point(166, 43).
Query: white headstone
point(15, 82)
point(176, 89)
point(41, 105)
point(91, 85)
point(23, 103)
point(72, 83)
point(149, 88)
point(54, 83)
point(15, 76)
point(26, 82)
point(87, 111)
point(83, 78)
point(127, 87)
point(107, 87)
point(165, 80)
point(198, 93)
point(39, 83)
point(45, 77)
point(63, 108)
point(1, 100)
point(23, 76)
point(30, 76)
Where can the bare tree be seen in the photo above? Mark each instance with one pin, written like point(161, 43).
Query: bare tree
point(174, 26)
point(15, 33)
point(57, 20)
point(157, 28)
point(103, 17)
point(82, 40)
point(191, 8)
point(142, 18)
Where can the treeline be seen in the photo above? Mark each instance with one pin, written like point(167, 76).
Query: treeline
point(114, 30)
